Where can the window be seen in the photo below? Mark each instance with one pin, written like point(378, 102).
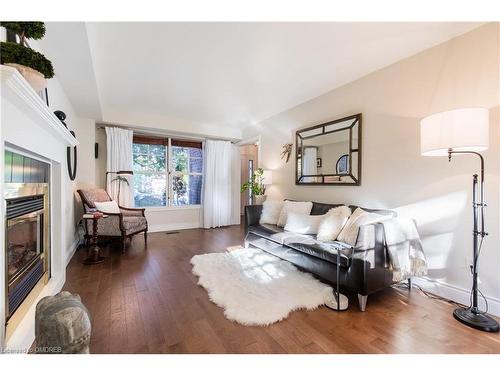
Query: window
point(167, 172)
point(187, 165)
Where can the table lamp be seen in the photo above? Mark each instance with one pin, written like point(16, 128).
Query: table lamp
point(464, 131)
point(267, 177)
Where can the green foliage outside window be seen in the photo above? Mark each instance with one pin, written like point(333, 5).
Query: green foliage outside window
point(151, 177)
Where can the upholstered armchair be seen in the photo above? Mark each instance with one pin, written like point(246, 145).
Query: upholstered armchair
point(121, 225)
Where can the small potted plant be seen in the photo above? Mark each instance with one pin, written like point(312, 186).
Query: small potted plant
point(256, 186)
point(32, 65)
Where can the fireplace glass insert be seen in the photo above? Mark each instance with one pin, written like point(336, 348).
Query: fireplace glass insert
point(24, 240)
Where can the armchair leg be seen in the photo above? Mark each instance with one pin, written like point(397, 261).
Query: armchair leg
point(362, 302)
point(146, 237)
point(409, 284)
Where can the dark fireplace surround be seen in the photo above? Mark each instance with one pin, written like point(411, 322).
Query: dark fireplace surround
point(27, 229)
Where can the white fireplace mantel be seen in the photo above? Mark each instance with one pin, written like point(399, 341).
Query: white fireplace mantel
point(29, 126)
point(18, 91)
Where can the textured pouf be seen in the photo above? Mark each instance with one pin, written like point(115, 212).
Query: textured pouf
point(62, 325)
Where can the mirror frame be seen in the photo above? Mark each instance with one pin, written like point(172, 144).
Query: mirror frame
point(356, 119)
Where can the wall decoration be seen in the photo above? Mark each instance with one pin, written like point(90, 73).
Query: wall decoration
point(71, 166)
point(287, 151)
point(338, 143)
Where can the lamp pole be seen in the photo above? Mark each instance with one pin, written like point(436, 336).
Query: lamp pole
point(472, 316)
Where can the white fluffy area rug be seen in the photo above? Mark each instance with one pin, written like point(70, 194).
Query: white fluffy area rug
point(256, 288)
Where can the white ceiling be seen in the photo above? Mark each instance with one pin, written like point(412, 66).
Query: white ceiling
point(223, 74)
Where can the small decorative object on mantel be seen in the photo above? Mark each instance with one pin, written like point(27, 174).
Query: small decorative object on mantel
point(32, 65)
point(287, 151)
point(62, 325)
point(71, 167)
point(257, 185)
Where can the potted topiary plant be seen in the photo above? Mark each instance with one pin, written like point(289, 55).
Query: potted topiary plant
point(32, 65)
point(256, 186)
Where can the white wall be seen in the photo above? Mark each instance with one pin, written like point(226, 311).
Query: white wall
point(173, 218)
point(85, 133)
point(462, 72)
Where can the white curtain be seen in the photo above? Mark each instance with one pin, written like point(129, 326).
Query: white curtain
point(236, 185)
point(119, 158)
point(309, 164)
point(220, 181)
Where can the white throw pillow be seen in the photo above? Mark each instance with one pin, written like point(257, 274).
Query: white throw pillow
point(110, 207)
point(349, 233)
point(297, 207)
point(302, 223)
point(270, 212)
point(332, 224)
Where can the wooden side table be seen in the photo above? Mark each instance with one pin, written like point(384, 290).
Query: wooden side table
point(94, 256)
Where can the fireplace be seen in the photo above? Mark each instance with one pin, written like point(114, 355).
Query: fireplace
point(27, 242)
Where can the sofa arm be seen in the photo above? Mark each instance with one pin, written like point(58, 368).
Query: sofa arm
point(132, 211)
point(371, 246)
point(252, 214)
point(370, 260)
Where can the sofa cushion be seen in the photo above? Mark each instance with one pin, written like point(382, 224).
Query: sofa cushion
point(271, 210)
point(265, 230)
point(306, 244)
point(110, 207)
point(292, 206)
point(303, 223)
point(333, 223)
point(132, 224)
point(325, 250)
point(359, 217)
point(322, 208)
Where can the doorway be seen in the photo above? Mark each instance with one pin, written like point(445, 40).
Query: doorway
point(249, 156)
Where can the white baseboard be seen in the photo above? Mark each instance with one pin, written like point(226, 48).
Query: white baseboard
point(456, 294)
point(71, 251)
point(175, 226)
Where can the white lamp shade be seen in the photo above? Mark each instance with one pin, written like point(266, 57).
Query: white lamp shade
point(465, 129)
point(267, 177)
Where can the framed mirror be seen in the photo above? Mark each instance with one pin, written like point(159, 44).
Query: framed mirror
point(329, 153)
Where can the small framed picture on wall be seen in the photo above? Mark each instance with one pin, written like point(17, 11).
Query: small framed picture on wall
point(319, 163)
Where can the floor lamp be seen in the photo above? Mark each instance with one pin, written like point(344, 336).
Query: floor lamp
point(464, 131)
point(120, 178)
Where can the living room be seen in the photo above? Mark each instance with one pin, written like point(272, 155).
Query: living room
point(244, 186)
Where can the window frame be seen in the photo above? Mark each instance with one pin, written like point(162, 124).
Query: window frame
point(169, 172)
point(172, 173)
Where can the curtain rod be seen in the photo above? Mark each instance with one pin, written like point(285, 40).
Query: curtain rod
point(159, 132)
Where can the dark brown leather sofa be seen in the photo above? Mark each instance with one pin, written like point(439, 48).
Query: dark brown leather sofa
point(364, 268)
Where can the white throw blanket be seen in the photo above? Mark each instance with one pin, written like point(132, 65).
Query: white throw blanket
point(405, 248)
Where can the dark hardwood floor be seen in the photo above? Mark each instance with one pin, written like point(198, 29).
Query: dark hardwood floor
point(147, 301)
